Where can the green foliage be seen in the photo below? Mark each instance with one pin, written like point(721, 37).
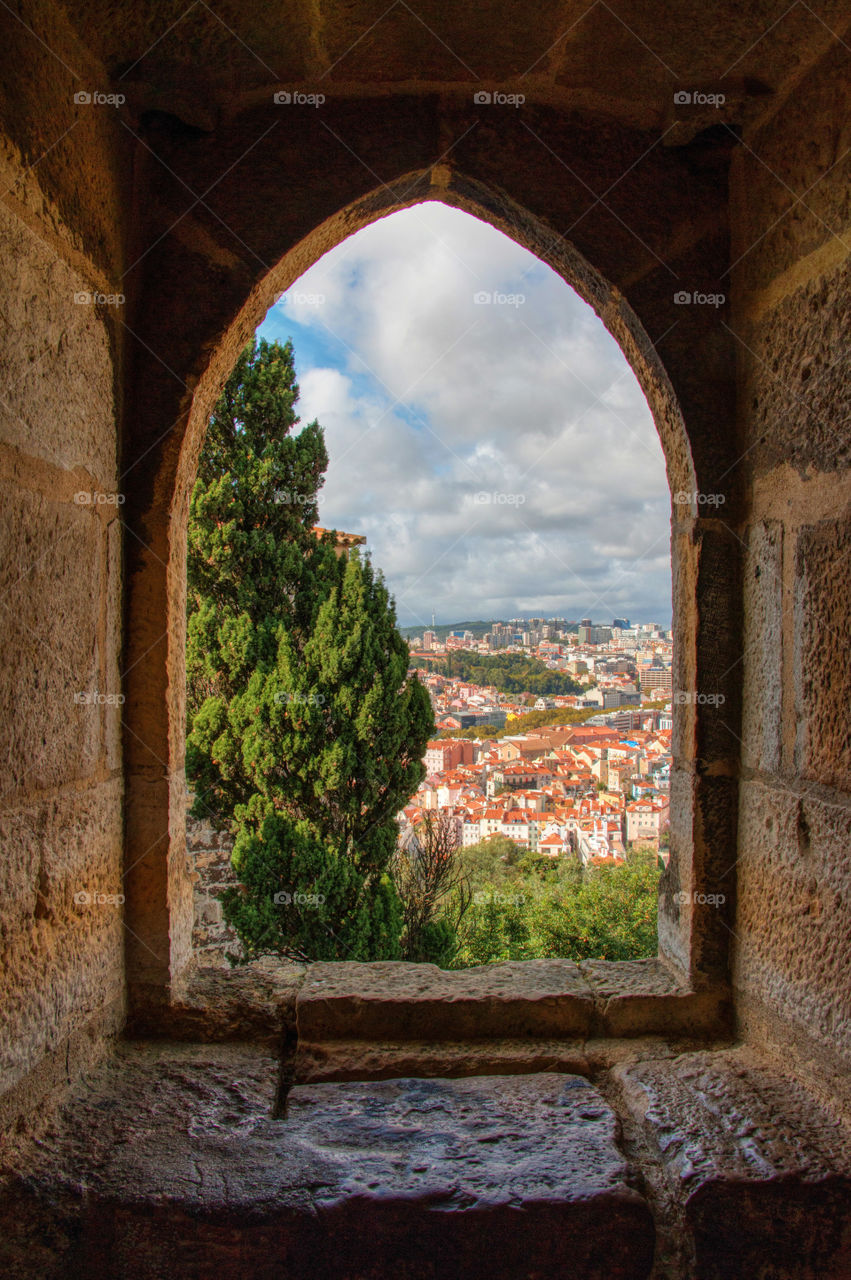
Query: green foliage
point(305, 898)
point(495, 929)
point(522, 724)
point(611, 915)
point(525, 906)
point(305, 733)
point(254, 566)
point(506, 672)
point(537, 720)
point(334, 731)
point(437, 943)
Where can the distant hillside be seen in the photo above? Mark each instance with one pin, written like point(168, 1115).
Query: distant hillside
point(540, 720)
point(443, 629)
point(479, 628)
point(507, 672)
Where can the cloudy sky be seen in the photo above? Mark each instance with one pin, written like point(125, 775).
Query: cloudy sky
point(484, 430)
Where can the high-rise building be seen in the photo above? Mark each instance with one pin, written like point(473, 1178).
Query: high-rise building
point(589, 634)
point(657, 678)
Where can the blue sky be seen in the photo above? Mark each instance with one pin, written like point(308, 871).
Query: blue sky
point(484, 430)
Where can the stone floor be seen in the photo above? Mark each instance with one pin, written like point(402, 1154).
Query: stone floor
point(169, 1162)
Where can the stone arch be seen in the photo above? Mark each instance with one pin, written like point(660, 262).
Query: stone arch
point(158, 892)
point(498, 210)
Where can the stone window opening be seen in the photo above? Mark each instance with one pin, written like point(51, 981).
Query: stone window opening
point(685, 990)
point(686, 985)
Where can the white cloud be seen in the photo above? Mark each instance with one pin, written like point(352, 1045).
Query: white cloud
point(430, 399)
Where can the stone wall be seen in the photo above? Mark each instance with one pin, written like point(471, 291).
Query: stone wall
point(208, 854)
point(61, 579)
point(792, 323)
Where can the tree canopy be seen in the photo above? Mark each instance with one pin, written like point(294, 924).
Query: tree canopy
point(306, 733)
point(506, 672)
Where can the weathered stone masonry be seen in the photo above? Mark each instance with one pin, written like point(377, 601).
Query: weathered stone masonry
point(208, 852)
point(196, 201)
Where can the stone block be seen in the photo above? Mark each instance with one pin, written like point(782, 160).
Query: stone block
point(50, 589)
point(207, 911)
point(718, 646)
point(796, 388)
point(762, 663)
point(113, 718)
point(793, 915)
point(822, 669)
point(58, 400)
point(760, 1172)
point(516, 1177)
point(791, 196)
point(392, 1059)
point(213, 1002)
point(406, 40)
point(400, 1001)
point(641, 997)
point(61, 930)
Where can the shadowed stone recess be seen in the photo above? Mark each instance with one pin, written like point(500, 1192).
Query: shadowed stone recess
point(176, 1150)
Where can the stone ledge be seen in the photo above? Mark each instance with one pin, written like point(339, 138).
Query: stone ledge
point(402, 1001)
point(558, 999)
point(383, 1060)
point(216, 1003)
point(170, 1163)
point(333, 1060)
point(396, 1003)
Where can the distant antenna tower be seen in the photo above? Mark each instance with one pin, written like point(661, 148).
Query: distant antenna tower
point(432, 619)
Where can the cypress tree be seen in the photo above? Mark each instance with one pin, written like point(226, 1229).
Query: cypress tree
point(305, 732)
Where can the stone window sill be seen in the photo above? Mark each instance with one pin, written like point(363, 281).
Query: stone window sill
point(375, 1020)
